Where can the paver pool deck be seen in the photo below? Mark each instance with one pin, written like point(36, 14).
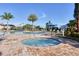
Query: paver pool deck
point(12, 46)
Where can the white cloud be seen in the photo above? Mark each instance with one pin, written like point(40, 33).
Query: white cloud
point(43, 16)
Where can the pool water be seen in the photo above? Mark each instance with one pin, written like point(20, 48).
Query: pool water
point(33, 32)
point(21, 32)
point(1, 32)
point(41, 42)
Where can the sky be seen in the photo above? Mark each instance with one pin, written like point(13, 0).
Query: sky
point(57, 13)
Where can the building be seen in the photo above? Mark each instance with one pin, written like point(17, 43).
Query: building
point(1, 26)
point(49, 26)
point(5, 26)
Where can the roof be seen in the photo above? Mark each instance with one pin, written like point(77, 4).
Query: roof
point(6, 25)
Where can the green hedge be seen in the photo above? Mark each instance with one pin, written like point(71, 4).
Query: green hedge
point(75, 35)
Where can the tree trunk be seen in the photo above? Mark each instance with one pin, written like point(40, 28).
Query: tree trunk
point(78, 24)
point(32, 27)
point(7, 26)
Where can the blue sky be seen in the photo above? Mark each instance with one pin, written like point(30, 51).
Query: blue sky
point(59, 14)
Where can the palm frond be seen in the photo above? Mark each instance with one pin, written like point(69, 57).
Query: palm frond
point(32, 17)
point(6, 16)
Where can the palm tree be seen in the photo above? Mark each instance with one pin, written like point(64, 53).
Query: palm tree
point(76, 14)
point(6, 16)
point(32, 18)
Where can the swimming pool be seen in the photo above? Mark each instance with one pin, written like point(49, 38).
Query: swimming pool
point(33, 32)
point(22, 32)
point(41, 42)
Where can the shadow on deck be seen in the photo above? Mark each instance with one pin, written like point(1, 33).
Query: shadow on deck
point(70, 41)
point(0, 53)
